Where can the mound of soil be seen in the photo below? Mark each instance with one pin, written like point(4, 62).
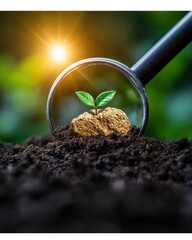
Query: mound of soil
point(96, 184)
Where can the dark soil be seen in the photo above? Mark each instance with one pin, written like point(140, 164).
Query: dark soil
point(96, 184)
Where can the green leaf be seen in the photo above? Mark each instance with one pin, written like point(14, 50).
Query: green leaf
point(104, 98)
point(86, 98)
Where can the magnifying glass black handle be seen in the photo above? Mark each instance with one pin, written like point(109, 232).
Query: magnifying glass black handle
point(164, 50)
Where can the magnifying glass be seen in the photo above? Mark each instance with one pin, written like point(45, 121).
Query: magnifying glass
point(141, 72)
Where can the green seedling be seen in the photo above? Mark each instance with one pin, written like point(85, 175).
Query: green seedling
point(101, 100)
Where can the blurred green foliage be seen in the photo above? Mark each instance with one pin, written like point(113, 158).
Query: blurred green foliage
point(27, 71)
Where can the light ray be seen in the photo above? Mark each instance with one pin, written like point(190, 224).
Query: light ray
point(38, 36)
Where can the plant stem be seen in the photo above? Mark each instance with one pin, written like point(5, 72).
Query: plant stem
point(96, 111)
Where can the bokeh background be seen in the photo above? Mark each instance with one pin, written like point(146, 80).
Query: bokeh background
point(27, 68)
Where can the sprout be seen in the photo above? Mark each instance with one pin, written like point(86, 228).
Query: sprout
point(102, 99)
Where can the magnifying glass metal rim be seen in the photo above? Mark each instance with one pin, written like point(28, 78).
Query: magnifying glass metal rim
point(125, 70)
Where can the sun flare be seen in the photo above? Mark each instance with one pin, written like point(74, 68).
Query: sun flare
point(59, 53)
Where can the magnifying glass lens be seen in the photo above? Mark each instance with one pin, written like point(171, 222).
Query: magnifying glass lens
point(95, 80)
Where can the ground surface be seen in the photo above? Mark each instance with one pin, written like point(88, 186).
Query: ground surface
point(96, 184)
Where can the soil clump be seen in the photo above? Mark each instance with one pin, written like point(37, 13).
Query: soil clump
point(108, 120)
